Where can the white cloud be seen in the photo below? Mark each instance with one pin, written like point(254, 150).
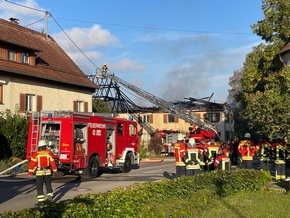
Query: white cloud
point(26, 15)
point(86, 38)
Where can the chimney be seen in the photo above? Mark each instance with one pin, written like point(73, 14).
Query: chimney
point(14, 20)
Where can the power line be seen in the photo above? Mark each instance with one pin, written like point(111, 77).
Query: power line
point(157, 28)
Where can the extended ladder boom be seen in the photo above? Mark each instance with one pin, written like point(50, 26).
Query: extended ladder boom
point(168, 107)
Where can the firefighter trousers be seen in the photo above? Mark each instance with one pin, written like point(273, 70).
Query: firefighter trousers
point(280, 171)
point(247, 164)
point(265, 165)
point(180, 171)
point(40, 180)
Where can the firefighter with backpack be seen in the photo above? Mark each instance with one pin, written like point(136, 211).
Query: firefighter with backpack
point(179, 151)
point(42, 164)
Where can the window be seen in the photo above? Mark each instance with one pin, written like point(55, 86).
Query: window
point(25, 58)
point(132, 130)
point(146, 119)
point(29, 102)
point(213, 117)
point(171, 118)
point(1, 94)
point(12, 55)
point(78, 106)
point(120, 128)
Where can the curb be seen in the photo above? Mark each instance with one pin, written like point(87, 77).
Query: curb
point(151, 160)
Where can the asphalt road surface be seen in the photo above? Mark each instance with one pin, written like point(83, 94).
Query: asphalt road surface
point(19, 191)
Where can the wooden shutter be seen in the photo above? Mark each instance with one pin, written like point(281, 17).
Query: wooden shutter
point(75, 106)
point(176, 119)
point(164, 118)
point(86, 106)
point(22, 103)
point(39, 103)
point(151, 118)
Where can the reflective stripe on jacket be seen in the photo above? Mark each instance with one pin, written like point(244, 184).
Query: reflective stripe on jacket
point(42, 163)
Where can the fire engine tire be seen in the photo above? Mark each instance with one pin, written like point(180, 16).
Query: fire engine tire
point(93, 169)
point(128, 164)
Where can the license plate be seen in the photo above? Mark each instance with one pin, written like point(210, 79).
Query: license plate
point(63, 156)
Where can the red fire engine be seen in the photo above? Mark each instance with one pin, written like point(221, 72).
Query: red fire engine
point(78, 141)
point(199, 134)
point(169, 137)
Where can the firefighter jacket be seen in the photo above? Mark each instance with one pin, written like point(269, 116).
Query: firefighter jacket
point(247, 149)
point(222, 162)
point(179, 151)
point(264, 152)
point(203, 149)
point(193, 157)
point(42, 163)
point(279, 150)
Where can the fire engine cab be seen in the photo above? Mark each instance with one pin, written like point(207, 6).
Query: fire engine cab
point(78, 141)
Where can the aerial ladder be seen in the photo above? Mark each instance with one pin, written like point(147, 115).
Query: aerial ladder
point(182, 113)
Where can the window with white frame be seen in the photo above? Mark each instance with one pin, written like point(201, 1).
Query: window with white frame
point(30, 101)
point(146, 118)
point(80, 106)
point(25, 58)
point(11, 55)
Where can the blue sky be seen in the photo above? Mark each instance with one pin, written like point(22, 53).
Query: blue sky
point(170, 48)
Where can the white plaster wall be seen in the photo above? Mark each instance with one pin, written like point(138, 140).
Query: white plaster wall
point(54, 97)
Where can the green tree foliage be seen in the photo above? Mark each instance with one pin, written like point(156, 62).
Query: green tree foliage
point(13, 133)
point(101, 106)
point(264, 97)
point(155, 144)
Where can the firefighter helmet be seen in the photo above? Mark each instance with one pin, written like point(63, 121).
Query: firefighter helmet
point(179, 137)
point(247, 135)
point(41, 143)
point(191, 142)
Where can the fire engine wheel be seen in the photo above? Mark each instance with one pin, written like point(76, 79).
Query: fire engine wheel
point(93, 169)
point(127, 165)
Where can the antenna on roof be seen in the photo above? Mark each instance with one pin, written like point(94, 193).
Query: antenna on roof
point(14, 20)
point(46, 21)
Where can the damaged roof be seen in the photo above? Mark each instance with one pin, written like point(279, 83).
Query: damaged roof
point(51, 62)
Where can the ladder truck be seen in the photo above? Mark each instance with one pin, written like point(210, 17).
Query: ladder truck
point(204, 127)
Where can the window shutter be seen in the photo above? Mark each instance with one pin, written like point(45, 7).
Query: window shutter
point(176, 119)
point(151, 118)
point(75, 106)
point(164, 118)
point(205, 116)
point(1, 94)
point(22, 103)
point(86, 106)
point(39, 103)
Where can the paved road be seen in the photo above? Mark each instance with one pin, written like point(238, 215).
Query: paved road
point(19, 192)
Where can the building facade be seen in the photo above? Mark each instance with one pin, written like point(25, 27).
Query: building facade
point(36, 74)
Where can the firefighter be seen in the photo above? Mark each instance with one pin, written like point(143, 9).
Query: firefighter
point(264, 154)
point(104, 69)
point(179, 151)
point(203, 147)
point(247, 149)
point(222, 161)
point(42, 164)
point(109, 148)
point(279, 152)
point(211, 152)
point(192, 158)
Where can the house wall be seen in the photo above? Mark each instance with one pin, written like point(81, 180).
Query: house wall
point(54, 97)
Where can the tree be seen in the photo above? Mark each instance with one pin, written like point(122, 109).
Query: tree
point(265, 88)
point(101, 106)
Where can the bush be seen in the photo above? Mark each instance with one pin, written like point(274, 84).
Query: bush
point(13, 134)
point(139, 200)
